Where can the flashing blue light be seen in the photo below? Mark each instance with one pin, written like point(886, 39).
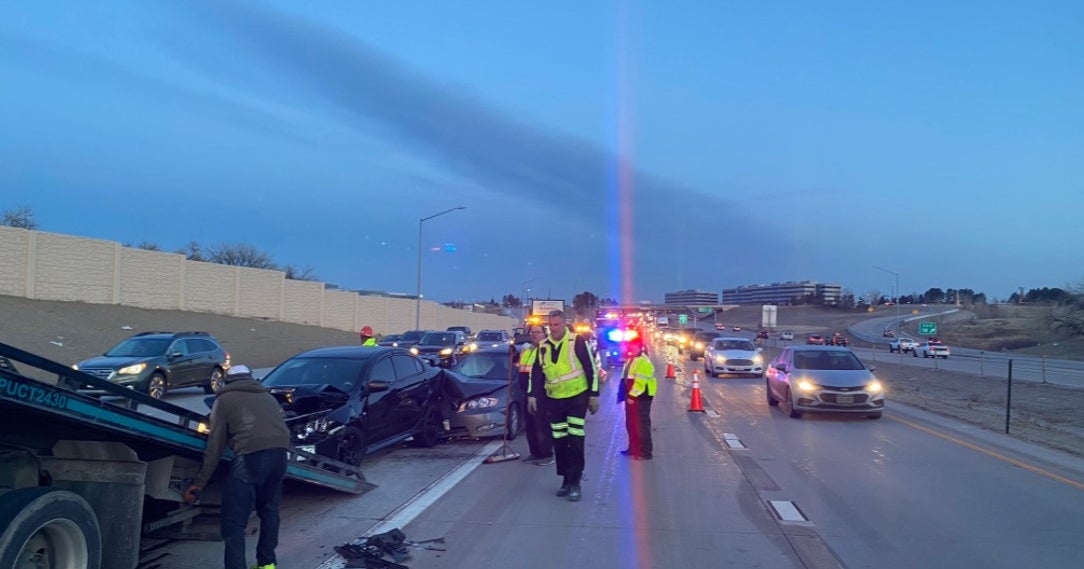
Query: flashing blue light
point(615, 335)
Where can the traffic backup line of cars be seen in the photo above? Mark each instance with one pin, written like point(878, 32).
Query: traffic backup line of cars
point(345, 402)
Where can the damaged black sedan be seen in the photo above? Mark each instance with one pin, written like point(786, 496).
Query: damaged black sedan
point(345, 402)
point(478, 402)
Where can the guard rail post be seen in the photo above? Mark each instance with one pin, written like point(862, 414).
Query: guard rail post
point(982, 372)
point(1008, 399)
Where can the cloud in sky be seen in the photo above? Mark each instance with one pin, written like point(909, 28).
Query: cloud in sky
point(572, 179)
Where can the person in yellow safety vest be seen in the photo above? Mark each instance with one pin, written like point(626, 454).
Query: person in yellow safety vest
point(539, 440)
point(367, 336)
point(637, 390)
point(563, 377)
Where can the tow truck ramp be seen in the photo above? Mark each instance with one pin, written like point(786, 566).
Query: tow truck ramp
point(118, 456)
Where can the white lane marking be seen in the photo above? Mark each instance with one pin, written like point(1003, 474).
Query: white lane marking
point(735, 444)
point(414, 507)
point(712, 413)
point(787, 511)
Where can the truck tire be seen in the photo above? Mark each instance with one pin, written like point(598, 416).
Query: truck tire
point(58, 523)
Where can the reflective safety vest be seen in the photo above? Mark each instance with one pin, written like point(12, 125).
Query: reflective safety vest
point(526, 361)
point(369, 342)
point(564, 378)
point(639, 376)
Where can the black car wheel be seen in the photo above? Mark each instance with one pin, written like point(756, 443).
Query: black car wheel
point(428, 433)
point(156, 386)
point(787, 405)
point(515, 421)
point(216, 382)
point(352, 446)
point(772, 401)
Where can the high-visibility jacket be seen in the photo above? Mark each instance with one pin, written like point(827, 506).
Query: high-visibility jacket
point(526, 361)
point(369, 342)
point(639, 376)
point(566, 377)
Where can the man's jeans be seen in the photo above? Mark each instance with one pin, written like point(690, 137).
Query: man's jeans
point(255, 480)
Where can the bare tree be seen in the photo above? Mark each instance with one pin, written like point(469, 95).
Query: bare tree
point(1068, 315)
point(21, 217)
point(193, 251)
point(144, 244)
point(240, 255)
point(873, 296)
point(306, 273)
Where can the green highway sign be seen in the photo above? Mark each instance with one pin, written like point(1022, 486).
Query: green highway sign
point(683, 319)
point(927, 328)
point(705, 310)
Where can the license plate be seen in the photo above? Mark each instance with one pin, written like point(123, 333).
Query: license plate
point(846, 399)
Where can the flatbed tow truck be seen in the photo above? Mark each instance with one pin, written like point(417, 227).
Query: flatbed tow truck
point(84, 474)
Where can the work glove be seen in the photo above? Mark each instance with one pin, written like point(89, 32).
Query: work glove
point(592, 405)
point(191, 496)
point(532, 405)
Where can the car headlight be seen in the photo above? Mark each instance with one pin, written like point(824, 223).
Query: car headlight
point(480, 403)
point(720, 359)
point(75, 367)
point(758, 359)
point(473, 346)
point(315, 426)
point(414, 350)
point(700, 345)
point(806, 385)
point(446, 352)
point(132, 369)
point(874, 387)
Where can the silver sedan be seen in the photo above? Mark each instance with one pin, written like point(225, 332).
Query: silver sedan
point(823, 378)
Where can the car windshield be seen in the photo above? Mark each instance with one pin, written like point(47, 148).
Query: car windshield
point(734, 345)
point(343, 373)
point(483, 366)
point(438, 339)
point(392, 337)
point(827, 361)
point(412, 336)
point(140, 347)
point(489, 337)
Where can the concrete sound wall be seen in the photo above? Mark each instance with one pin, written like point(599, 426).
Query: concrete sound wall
point(52, 266)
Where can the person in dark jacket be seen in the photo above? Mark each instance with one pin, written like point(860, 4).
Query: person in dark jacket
point(246, 417)
point(539, 438)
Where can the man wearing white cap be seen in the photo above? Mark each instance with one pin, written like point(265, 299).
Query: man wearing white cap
point(249, 419)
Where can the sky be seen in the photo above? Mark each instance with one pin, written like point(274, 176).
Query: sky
point(623, 148)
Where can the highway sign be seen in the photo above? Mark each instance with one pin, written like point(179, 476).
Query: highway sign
point(927, 328)
point(705, 310)
point(683, 319)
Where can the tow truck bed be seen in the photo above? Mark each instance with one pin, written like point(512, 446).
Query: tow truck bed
point(34, 414)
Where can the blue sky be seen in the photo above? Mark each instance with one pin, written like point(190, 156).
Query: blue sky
point(755, 142)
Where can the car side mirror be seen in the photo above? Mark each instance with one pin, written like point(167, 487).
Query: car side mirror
point(378, 385)
point(872, 369)
point(175, 355)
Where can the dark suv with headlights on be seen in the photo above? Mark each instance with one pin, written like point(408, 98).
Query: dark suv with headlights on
point(155, 362)
point(345, 402)
point(441, 348)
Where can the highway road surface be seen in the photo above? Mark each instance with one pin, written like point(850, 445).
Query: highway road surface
point(738, 486)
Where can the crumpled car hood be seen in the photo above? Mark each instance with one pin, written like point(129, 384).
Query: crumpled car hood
point(305, 399)
point(459, 387)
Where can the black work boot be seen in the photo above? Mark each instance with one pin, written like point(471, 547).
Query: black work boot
point(566, 488)
point(574, 493)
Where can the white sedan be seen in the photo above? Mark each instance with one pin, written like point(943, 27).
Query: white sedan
point(931, 350)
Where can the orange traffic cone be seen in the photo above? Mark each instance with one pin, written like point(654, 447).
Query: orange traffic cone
point(670, 371)
point(695, 405)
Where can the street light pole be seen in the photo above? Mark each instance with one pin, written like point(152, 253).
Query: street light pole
point(418, 298)
point(897, 295)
